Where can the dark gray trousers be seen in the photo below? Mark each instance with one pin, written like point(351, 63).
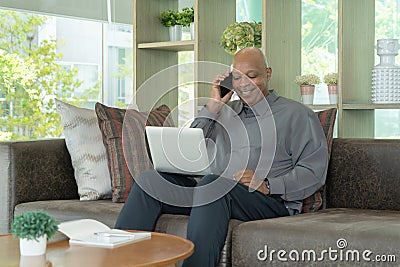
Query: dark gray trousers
point(208, 224)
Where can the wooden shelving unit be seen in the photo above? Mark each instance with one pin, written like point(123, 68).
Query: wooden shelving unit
point(282, 44)
point(370, 106)
point(187, 45)
point(153, 52)
point(321, 107)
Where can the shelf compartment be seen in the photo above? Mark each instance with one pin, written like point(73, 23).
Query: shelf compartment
point(186, 45)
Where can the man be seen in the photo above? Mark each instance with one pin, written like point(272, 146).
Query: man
point(296, 158)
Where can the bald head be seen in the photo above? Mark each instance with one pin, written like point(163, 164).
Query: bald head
point(250, 54)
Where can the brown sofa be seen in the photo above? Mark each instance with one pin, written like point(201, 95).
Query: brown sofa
point(361, 213)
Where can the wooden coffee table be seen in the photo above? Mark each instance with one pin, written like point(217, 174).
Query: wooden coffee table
point(160, 250)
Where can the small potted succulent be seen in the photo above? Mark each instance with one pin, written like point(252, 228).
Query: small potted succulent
point(307, 79)
point(172, 19)
point(331, 80)
point(307, 84)
point(33, 229)
point(187, 19)
point(239, 35)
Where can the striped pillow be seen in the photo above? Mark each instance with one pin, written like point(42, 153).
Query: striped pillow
point(124, 140)
point(327, 119)
point(82, 137)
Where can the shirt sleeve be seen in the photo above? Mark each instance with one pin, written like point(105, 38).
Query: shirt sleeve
point(309, 152)
point(205, 120)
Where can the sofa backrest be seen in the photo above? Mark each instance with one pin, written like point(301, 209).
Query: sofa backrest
point(364, 173)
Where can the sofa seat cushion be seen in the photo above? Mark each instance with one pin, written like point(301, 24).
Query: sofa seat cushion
point(377, 231)
point(104, 211)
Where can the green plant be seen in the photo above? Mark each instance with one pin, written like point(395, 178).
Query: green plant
point(331, 78)
point(308, 79)
point(32, 225)
point(170, 18)
point(187, 16)
point(241, 35)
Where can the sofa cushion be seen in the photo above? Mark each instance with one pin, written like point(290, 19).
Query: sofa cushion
point(83, 139)
point(327, 119)
point(377, 231)
point(124, 140)
point(104, 211)
point(317, 200)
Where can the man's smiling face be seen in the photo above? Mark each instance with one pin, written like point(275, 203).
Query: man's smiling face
point(250, 75)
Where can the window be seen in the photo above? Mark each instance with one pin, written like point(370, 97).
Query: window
point(78, 60)
point(319, 42)
point(119, 91)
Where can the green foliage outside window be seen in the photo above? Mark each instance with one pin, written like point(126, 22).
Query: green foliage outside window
point(30, 80)
point(319, 37)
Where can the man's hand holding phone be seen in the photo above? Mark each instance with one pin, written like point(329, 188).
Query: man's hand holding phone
point(220, 94)
point(226, 85)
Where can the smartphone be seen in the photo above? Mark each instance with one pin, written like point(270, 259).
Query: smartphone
point(226, 85)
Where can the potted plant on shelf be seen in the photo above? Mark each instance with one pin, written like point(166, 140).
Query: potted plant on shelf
point(307, 84)
point(331, 80)
point(187, 19)
point(239, 35)
point(33, 229)
point(172, 20)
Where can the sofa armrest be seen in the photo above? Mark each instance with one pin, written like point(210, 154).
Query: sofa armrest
point(34, 170)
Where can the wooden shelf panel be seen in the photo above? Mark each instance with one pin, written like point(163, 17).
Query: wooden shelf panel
point(187, 45)
point(371, 106)
point(321, 107)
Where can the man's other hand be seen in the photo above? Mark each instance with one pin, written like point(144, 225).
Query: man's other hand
point(248, 178)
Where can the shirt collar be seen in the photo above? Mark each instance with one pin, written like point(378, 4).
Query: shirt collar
point(260, 108)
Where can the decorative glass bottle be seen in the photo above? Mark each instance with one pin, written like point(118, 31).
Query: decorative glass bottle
point(386, 75)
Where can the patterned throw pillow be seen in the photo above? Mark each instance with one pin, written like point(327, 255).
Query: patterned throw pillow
point(82, 138)
point(327, 119)
point(128, 136)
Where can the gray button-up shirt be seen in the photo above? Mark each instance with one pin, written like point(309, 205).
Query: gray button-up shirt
point(280, 139)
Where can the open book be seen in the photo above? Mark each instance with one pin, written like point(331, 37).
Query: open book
point(88, 232)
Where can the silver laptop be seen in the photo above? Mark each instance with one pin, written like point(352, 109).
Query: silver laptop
point(178, 150)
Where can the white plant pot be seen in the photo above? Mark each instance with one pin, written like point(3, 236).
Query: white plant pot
point(192, 30)
point(32, 247)
point(307, 99)
point(307, 94)
point(333, 93)
point(31, 261)
point(175, 33)
point(333, 99)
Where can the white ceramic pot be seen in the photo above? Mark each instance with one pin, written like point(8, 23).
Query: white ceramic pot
point(333, 93)
point(32, 247)
point(192, 30)
point(307, 94)
point(385, 82)
point(333, 99)
point(32, 261)
point(175, 33)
